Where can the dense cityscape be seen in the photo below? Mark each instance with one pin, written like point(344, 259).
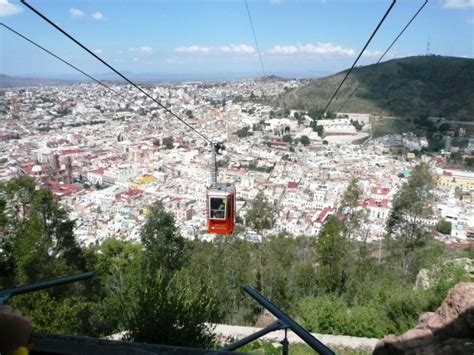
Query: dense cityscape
point(255, 176)
point(107, 156)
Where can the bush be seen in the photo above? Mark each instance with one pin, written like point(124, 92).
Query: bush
point(324, 314)
point(444, 227)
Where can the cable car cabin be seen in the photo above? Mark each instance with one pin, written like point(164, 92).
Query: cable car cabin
point(220, 209)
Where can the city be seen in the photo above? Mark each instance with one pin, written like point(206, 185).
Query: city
point(108, 156)
point(259, 176)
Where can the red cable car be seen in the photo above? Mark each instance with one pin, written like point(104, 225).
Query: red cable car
point(220, 202)
point(221, 209)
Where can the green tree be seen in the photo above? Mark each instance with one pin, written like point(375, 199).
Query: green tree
point(469, 162)
point(38, 243)
point(332, 255)
point(435, 144)
point(444, 227)
point(261, 214)
point(456, 157)
point(407, 232)
point(156, 309)
point(443, 127)
point(305, 140)
point(243, 132)
point(317, 128)
point(287, 138)
point(164, 247)
point(353, 216)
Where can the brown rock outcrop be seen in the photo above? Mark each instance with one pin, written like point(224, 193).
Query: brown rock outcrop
point(449, 330)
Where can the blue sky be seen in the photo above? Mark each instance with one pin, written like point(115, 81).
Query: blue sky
point(302, 37)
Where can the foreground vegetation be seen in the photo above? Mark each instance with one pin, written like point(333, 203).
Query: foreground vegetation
point(165, 288)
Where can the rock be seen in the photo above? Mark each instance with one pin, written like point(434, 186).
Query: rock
point(449, 330)
point(422, 279)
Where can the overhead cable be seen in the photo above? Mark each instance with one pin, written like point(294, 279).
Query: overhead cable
point(383, 55)
point(255, 38)
point(358, 57)
point(59, 58)
point(116, 71)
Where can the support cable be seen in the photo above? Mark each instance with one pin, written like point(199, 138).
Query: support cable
point(59, 58)
point(115, 71)
point(358, 57)
point(255, 38)
point(383, 55)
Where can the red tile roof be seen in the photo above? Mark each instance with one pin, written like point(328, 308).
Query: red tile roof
point(324, 213)
point(292, 185)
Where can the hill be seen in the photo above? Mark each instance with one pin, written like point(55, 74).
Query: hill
point(412, 86)
point(12, 82)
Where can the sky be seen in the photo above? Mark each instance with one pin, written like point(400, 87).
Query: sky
point(296, 37)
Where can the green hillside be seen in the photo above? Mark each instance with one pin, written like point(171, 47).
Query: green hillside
point(412, 86)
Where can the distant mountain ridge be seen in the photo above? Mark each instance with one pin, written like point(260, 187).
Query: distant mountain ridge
point(413, 86)
point(12, 82)
point(145, 78)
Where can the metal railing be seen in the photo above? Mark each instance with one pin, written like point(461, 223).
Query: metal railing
point(6, 294)
point(283, 322)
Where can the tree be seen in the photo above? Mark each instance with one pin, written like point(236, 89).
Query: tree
point(157, 309)
point(260, 215)
point(332, 255)
point(287, 138)
point(469, 162)
point(317, 128)
point(406, 231)
point(34, 218)
point(456, 157)
point(357, 125)
point(159, 303)
point(164, 247)
point(443, 127)
point(305, 140)
point(243, 132)
point(349, 209)
point(37, 243)
point(444, 227)
point(435, 144)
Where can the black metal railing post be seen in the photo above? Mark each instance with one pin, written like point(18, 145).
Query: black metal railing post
point(6, 294)
point(283, 322)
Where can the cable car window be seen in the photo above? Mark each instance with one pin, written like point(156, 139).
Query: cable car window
point(218, 207)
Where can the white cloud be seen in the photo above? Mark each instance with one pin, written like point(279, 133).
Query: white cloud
point(457, 4)
point(470, 20)
point(231, 48)
point(97, 51)
point(97, 16)
point(283, 49)
point(142, 49)
point(237, 48)
point(193, 49)
point(7, 9)
point(322, 48)
point(368, 53)
point(76, 13)
point(275, 2)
